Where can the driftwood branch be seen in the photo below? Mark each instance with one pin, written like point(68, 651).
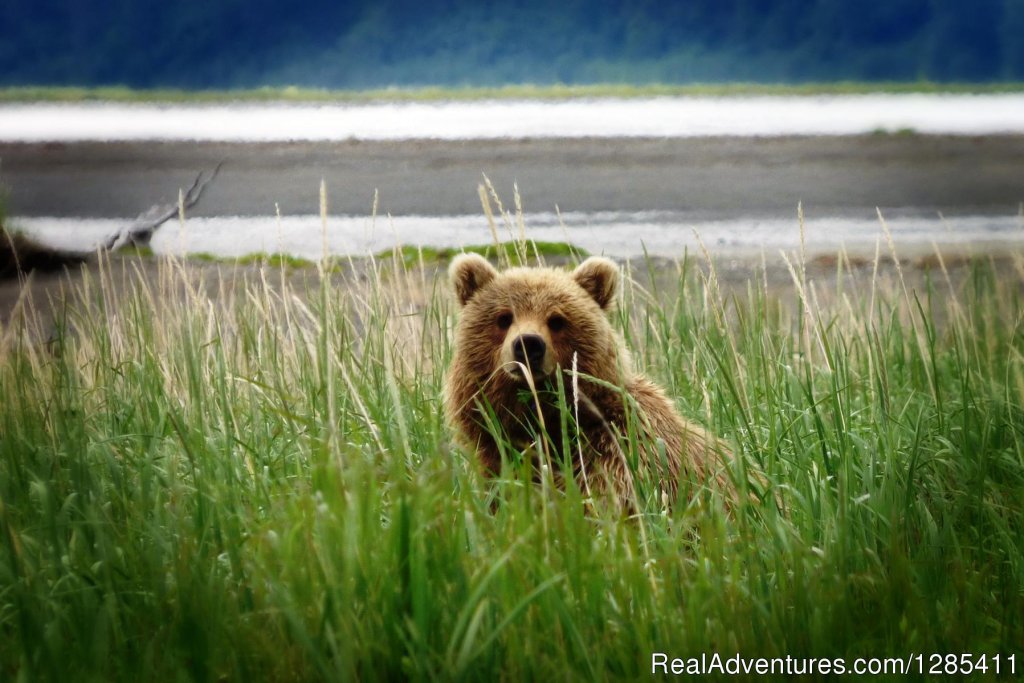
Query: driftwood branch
point(20, 254)
point(140, 232)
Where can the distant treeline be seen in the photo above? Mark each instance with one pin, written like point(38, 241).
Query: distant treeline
point(375, 43)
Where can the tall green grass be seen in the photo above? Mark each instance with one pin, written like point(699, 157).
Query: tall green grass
point(206, 477)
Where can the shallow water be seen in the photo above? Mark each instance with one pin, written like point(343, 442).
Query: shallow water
point(614, 234)
point(649, 117)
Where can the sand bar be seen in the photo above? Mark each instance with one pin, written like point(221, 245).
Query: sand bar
point(706, 178)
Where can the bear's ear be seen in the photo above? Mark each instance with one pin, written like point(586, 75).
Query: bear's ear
point(468, 273)
point(600, 278)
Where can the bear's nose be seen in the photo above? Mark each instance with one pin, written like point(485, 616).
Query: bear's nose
point(529, 349)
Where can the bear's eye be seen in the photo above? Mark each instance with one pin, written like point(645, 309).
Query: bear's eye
point(504, 321)
point(556, 323)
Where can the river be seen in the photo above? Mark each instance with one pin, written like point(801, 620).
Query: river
point(613, 176)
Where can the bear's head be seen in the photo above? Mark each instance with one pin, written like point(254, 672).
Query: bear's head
point(534, 320)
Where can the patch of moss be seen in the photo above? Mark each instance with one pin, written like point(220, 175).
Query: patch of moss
point(137, 250)
point(207, 257)
point(509, 252)
point(255, 258)
point(505, 251)
point(277, 260)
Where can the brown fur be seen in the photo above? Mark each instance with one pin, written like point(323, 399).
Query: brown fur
point(569, 312)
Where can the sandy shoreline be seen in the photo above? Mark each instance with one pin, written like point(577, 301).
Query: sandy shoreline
point(707, 178)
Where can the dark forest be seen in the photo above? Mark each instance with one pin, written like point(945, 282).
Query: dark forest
point(361, 44)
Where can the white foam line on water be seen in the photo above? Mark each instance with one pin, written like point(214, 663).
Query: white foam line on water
point(652, 117)
point(613, 234)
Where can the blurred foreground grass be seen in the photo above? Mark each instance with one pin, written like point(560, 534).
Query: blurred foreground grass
point(203, 481)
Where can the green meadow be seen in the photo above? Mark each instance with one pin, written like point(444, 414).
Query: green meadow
point(296, 94)
point(242, 472)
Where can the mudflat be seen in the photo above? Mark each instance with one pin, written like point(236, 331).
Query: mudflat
point(717, 177)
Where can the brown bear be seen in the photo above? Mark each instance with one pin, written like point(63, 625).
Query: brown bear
point(521, 330)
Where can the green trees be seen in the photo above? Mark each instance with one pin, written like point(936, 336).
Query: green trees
point(145, 43)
